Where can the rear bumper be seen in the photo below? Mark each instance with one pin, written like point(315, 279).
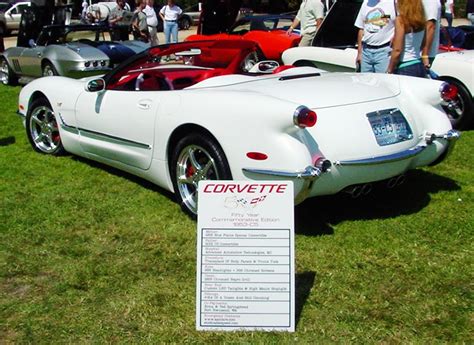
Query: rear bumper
point(311, 173)
point(451, 137)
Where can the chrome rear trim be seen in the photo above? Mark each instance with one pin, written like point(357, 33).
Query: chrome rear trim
point(394, 157)
point(310, 173)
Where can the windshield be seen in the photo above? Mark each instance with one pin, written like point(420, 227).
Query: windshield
point(176, 66)
point(61, 35)
point(87, 35)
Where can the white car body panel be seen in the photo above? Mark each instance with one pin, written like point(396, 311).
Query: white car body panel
point(458, 65)
point(252, 114)
point(329, 59)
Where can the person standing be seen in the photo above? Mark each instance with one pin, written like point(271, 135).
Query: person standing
point(470, 10)
point(84, 5)
point(376, 23)
point(118, 31)
point(170, 14)
point(432, 26)
point(139, 23)
point(152, 22)
point(449, 12)
point(405, 58)
point(310, 16)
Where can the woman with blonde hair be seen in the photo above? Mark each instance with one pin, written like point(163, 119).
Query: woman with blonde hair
point(410, 23)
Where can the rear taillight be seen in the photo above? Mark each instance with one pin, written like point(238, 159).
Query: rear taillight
point(304, 117)
point(449, 92)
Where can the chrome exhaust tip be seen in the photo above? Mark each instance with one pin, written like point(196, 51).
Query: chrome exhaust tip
point(392, 182)
point(401, 180)
point(366, 189)
point(354, 191)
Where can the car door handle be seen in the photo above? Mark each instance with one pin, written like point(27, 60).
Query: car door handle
point(144, 104)
point(39, 54)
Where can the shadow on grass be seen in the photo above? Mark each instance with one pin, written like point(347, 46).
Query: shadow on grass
point(123, 174)
point(303, 285)
point(7, 141)
point(316, 216)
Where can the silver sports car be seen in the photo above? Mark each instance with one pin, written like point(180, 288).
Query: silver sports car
point(73, 51)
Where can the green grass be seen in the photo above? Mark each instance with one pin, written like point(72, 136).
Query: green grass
point(89, 254)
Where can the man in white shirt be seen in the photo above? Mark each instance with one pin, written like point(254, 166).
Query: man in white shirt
point(310, 15)
point(431, 42)
point(449, 12)
point(152, 22)
point(376, 23)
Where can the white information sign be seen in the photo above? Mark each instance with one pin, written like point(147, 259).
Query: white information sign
point(245, 256)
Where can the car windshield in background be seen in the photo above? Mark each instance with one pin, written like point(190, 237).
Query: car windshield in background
point(61, 35)
point(88, 35)
point(263, 24)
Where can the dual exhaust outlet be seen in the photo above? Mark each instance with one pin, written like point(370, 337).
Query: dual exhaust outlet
point(364, 189)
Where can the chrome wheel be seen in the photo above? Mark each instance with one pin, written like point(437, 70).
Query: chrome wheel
point(44, 131)
point(48, 71)
point(194, 164)
point(4, 72)
point(455, 114)
point(461, 112)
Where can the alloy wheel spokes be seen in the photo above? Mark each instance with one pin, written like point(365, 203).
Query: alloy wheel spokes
point(192, 158)
point(4, 72)
point(194, 164)
point(44, 130)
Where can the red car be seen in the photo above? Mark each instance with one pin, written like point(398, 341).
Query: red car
point(269, 31)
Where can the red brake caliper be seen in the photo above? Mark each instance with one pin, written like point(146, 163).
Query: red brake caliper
point(190, 170)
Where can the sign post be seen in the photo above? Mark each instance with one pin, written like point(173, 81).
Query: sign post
point(245, 256)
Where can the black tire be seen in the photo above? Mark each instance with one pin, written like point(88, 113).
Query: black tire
point(42, 129)
point(464, 119)
point(184, 23)
point(211, 164)
point(7, 75)
point(48, 69)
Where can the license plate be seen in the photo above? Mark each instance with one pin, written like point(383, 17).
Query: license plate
point(389, 126)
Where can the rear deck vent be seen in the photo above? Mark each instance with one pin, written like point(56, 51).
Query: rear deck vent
point(299, 76)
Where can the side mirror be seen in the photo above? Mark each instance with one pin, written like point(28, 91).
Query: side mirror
point(32, 43)
point(95, 85)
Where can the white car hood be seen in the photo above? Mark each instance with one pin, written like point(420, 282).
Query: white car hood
point(326, 90)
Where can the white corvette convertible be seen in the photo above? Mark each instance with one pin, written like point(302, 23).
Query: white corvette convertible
point(219, 113)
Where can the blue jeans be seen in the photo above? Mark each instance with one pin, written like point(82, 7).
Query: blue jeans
point(170, 29)
point(375, 60)
point(415, 70)
point(449, 18)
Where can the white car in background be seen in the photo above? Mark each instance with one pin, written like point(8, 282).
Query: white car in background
point(10, 15)
point(334, 50)
point(218, 113)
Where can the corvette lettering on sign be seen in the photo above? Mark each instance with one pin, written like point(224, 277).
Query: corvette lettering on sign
point(245, 261)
